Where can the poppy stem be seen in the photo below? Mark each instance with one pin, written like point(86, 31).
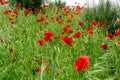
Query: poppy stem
point(53, 63)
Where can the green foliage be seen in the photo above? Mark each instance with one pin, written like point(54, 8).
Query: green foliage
point(105, 12)
point(108, 67)
point(27, 3)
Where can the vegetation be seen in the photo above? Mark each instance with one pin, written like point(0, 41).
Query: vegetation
point(105, 12)
point(59, 44)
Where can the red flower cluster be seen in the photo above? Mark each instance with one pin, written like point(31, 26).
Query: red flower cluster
point(89, 31)
point(7, 12)
point(47, 36)
point(81, 63)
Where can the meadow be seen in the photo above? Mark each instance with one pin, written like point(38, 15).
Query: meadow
point(56, 44)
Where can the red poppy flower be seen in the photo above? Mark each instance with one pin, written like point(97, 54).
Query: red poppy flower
point(67, 40)
point(104, 46)
point(14, 58)
point(41, 19)
point(110, 36)
point(7, 12)
point(68, 21)
point(118, 32)
point(16, 12)
point(65, 29)
point(48, 34)
point(37, 69)
point(47, 69)
point(80, 23)
point(81, 63)
point(94, 23)
point(18, 6)
point(102, 24)
point(52, 18)
point(11, 51)
point(36, 60)
point(57, 19)
point(118, 20)
point(118, 41)
point(40, 42)
point(70, 31)
point(47, 39)
point(77, 35)
point(89, 31)
point(26, 13)
point(57, 12)
point(10, 19)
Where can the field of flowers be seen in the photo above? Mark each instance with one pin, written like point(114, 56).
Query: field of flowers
point(56, 44)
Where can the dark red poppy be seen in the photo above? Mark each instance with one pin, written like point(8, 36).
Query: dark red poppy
point(66, 28)
point(81, 63)
point(11, 51)
point(11, 19)
point(67, 40)
point(40, 42)
point(77, 35)
point(118, 32)
point(26, 12)
point(70, 31)
point(18, 6)
point(102, 24)
point(41, 19)
point(80, 23)
point(15, 12)
point(89, 31)
point(36, 60)
point(37, 69)
point(7, 12)
point(47, 39)
point(46, 23)
point(68, 21)
point(104, 46)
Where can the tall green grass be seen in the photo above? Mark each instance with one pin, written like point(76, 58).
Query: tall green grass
point(22, 35)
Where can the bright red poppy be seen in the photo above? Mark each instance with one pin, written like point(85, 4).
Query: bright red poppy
point(81, 63)
point(94, 23)
point(67, 40)
point(118, 32)
point(77, 35)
